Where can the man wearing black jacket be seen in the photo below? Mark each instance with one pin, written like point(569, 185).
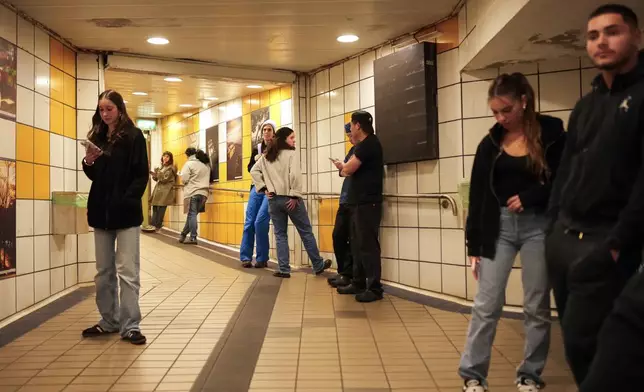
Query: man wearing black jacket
point(597, 203)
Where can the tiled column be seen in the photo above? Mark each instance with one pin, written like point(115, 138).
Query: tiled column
point(88, 73)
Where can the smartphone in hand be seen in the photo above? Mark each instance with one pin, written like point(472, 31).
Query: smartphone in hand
point(90, 146)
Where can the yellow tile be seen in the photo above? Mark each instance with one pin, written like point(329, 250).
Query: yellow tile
point(195, 123)
point(230, 238)
point(69, 90)
point(326, 238)
point(246, 147)
point(41, 182)
point(255, 102)
point(347, 117)
point(41, 147)
point(56, 84)
point(24, 180)
point(69, 61)
point(265, 99)
point(246, 106)
point(325, 213)
point(56, 53)
point(56, 120)
point(347, 146)
point(24, 143)
point(276, 114)
point(286, 92)
point(239, 230)
point(275, 96)
point(69, 122)
point(246, 131)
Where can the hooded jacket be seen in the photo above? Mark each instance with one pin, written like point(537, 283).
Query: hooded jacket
point(483, 219)
point(600, 188)
point(255, 151)
point(118, 180)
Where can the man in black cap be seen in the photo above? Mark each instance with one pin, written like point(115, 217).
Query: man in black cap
point(366, 170)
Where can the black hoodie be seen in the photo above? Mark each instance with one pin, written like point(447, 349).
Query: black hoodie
point(483, 219)
point(600, 188)
point(118, 183)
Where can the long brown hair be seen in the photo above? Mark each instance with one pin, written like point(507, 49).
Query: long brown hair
point(99, 134)
point(279, 144)
point(517, 87)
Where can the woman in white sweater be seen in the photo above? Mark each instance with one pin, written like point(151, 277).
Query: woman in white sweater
point(195, 175)
point(278, 175)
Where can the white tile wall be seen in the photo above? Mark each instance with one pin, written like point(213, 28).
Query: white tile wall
point(8, 137)
point(25, 106)
point(26, 35)
point(8, 290)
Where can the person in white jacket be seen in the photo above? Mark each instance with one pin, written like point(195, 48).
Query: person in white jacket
point(278, 175)
point(195, 175)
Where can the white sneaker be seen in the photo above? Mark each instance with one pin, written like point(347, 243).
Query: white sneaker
point(527, 385)
point(474, 386)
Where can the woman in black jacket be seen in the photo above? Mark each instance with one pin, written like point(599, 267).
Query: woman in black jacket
point(510, 185)
point(116, 161)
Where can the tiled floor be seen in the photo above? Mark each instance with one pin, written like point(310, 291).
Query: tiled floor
point(186, 303)
point(320, 341)
point(316, 340)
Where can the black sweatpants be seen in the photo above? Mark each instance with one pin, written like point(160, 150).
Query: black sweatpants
point(365, 246)
point(586, 281)
point(341, 243)
point(620, 348)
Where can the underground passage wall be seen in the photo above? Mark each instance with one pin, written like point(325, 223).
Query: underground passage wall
point(44, 87)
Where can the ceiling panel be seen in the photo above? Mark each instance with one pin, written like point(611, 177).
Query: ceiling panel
point(296, 35)
point(165, 97)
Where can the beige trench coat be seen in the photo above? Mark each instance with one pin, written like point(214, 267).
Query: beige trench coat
point(163, 194)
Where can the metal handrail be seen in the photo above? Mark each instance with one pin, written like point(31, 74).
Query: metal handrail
point(447, 201)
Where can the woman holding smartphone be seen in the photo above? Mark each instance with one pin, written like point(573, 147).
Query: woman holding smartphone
point(116, 161)
point(278, 175)
point(514, 167)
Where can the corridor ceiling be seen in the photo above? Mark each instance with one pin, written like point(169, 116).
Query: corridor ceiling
point(534, 34)
point(297, 35)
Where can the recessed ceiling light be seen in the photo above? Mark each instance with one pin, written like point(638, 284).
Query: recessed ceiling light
point(212, 98)
point(124, 101)
point(158, 41)
point(140, 93)
point(348, 38)
point(185, 105)
point(173, 79)
point(254, 86)
point(156, 114)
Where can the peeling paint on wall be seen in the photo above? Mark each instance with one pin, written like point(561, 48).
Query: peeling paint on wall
point(570, 39)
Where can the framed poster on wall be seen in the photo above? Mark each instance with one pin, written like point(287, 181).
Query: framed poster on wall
point(234, 156)
point(7, 218)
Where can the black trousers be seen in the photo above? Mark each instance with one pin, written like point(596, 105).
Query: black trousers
point(586, 281)
point(365, 246)
point(341, 244)
point(620, 349)
point(158, 212)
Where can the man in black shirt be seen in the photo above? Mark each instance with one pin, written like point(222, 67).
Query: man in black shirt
point(366, 169)
point(597, 201)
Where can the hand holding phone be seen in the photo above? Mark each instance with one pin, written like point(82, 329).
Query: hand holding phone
point(92, 151)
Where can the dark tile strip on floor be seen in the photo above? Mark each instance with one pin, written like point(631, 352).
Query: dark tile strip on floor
point(231, 365)
point(408, 295)
point(36, 318)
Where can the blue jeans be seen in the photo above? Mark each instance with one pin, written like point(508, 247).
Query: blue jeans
point(196, 204)
point(520, 233)
point(299, 217)
point(117, 261)
point(256, 225)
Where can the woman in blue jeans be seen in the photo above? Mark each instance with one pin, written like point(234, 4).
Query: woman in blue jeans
point(116, 161)
point(195, 175)
point(277, 174)
point(257, 218)
point(513, 170)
